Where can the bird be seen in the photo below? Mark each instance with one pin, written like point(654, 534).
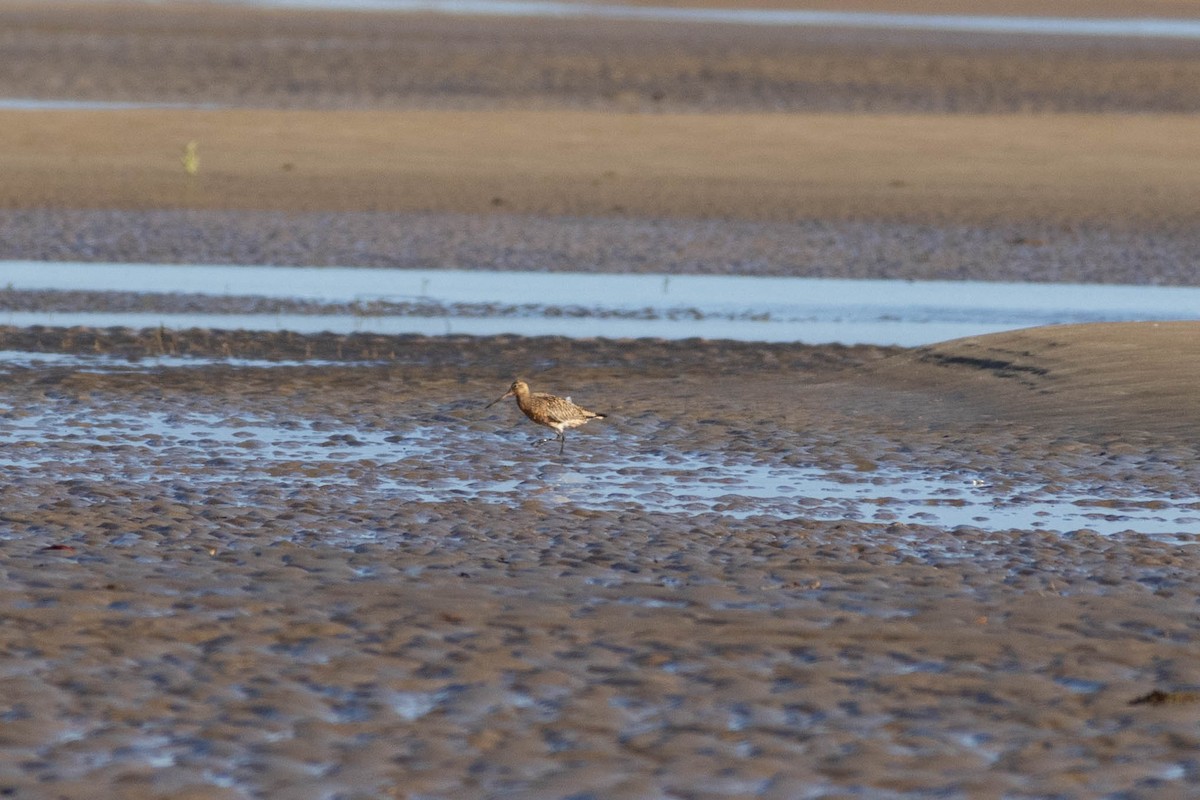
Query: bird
point(554, 412)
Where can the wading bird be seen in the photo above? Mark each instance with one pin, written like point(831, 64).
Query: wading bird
point(558, 413)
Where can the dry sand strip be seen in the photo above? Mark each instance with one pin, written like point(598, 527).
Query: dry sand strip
point(1140, 171)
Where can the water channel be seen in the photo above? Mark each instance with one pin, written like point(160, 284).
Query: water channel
point(953, 23)
point(476, 302)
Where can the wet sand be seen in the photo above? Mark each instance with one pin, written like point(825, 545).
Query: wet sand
point(234, 617)
point(235, 581)
point(249, 58)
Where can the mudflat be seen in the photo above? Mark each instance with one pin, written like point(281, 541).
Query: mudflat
point(341, 575)
point(269, 565)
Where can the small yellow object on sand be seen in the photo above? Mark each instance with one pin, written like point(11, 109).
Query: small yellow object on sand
point(191, 159)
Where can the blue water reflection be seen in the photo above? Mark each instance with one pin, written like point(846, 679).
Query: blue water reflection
point(435, 302)
point(957, 23)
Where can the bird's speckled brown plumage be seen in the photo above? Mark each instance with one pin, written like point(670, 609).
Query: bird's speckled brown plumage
point(558, 413)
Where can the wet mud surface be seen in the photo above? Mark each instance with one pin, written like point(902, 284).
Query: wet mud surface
point(349, 579)
point(267, 565)
point(274, 58)
point(1045, 252)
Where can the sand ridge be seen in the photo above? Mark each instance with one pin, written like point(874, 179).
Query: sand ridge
point(1095, 381)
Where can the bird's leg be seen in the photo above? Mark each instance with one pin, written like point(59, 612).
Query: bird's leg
point(562, 441)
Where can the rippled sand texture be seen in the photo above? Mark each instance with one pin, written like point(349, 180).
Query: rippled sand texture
point(354, 581)
point(342, 577)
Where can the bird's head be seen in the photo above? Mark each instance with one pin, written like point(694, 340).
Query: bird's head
point(518, 388)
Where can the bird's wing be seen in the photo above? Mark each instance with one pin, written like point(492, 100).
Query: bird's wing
point(560, 410)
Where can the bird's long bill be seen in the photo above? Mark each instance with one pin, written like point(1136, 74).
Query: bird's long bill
point(498, 399)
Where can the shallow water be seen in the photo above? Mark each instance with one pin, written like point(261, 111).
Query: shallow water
point(36, 104)
point(421, 462)
point(425, 462)
point(110, 363)
point(1055, 26)
point(880, 332)
point(887, 312)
